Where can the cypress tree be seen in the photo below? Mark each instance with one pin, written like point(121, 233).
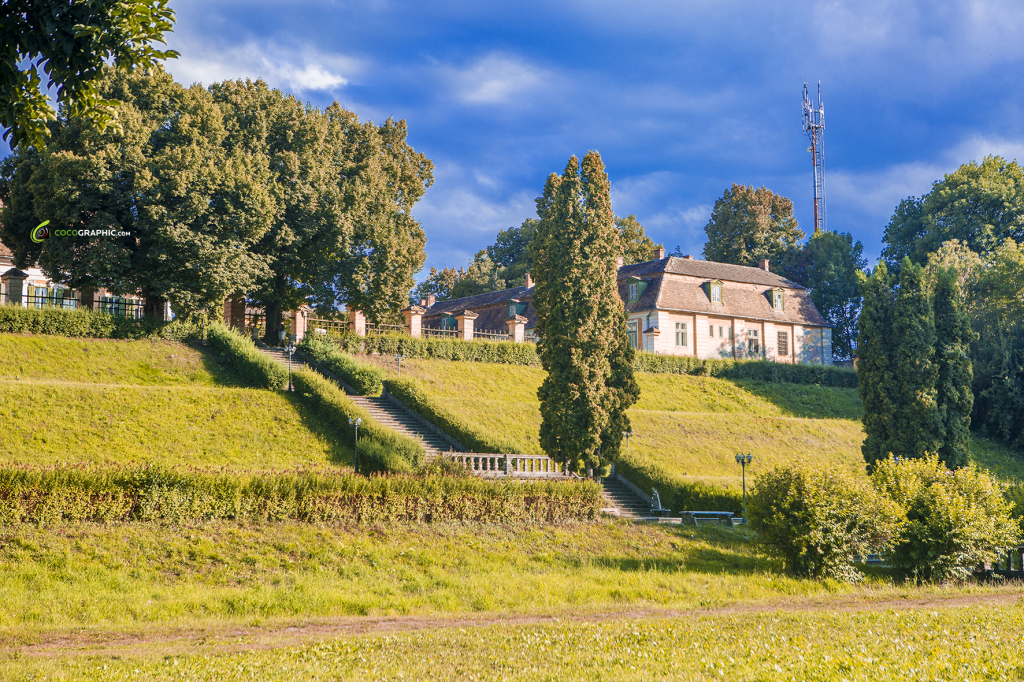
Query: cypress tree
point(955, 375)
point(875, 364)
point(581, 322)
point(917, 428)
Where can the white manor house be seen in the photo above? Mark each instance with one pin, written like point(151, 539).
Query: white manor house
point(675, 306)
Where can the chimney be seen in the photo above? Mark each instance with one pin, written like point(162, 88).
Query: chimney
point(763, 264)
point(430, 300)
point(423, 303)
point(688, 257)
point(661, 253)
point(619, 261)
point(529, 281)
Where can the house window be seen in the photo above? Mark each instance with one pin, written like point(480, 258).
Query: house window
point(721, 332)
point(716, 293)
point(753, 343)
point(711, 331)
point(783, 343)
point(633, 291)
point(730, 333)
point(681, 334)
point(777, 300)
point(511, 310)
point(631, 332)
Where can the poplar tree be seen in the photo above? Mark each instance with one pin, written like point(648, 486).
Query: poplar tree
point(955, 375)
point(581, 322)
point(875, 364)
point(918, 423)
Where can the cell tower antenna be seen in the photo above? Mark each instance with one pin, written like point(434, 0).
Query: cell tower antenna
point(814, 129)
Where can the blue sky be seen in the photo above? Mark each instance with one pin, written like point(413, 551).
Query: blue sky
point(682, 99)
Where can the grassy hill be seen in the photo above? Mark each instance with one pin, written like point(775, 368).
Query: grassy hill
point(105, 401)
point(688, 428)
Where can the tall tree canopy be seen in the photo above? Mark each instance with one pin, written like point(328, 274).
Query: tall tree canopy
point(581, 322)
point(835, 263)
point(343, 232)
point(186, 210)
point(71, 42)
point(748, 224)
point(979, 204)
point(953, 336)
point(875, 365)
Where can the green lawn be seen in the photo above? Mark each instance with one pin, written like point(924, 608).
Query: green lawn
point(84, 400)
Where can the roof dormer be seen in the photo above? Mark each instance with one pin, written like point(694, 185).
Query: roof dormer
point(713, 290)
point(634, 289)
point(777, 299)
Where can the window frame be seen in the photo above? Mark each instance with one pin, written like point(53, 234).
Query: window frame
point(681, 335)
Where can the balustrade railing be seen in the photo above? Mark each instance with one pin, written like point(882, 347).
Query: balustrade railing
point(134, 308)
point(385, 328)
point(515, 466)
point(333, 326)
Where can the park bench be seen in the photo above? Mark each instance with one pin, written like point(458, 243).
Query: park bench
point(698, 517)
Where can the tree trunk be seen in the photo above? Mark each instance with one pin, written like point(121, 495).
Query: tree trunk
point(154, 307)
point(274, 314)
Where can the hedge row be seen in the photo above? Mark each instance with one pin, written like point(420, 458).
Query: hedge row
point(120, 495)
point(409, 394)
point(526, 354)
point(91, 324)
point(380, 448)
point(367, 380)
point(501, 352)
point(680, 496)
point(758, 370)
point(252, 366)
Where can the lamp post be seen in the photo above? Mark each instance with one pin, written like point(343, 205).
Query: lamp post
point(398, 358)
point(628, 435)
point(743, 460)
point(291, 349)
point(356, 422)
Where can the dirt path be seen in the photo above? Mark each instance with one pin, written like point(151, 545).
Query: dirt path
point(231, 638)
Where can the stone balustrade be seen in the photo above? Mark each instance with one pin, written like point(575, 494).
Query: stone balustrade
point(508, 465)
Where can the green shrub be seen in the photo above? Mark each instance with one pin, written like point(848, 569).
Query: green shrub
point(818, 520)
point(120, 495)
point(91, 324)
point(252, 366)
point(334, 407)
point(365, 379)
point(676, 494)
point(955, 520)
point(408, 393)
point(1014, 494)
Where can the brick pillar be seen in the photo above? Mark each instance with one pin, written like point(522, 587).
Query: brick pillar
point(465, 319)
point(14, 284)
point(234, 313)
point(299, 323)
point(516, 328)
point(357, 323)
point(414, 320)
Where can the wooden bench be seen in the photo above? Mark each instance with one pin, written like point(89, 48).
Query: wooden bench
point(698, 517)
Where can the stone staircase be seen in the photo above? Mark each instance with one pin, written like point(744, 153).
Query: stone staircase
point(281, 356)
point(622, 501)
point(383, 411)
point(388, 414)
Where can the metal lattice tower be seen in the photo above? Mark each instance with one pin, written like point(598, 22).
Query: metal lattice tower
point(814, 129)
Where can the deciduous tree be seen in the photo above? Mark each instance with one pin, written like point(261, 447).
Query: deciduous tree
point(748, 224)
point(181, 212)
point(833, 278)
point(70, 43)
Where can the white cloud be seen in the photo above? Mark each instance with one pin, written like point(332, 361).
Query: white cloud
point(497, 79)
point(294, 69)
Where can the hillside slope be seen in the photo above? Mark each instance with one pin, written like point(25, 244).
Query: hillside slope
point(110, 401)
point(687, 428)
